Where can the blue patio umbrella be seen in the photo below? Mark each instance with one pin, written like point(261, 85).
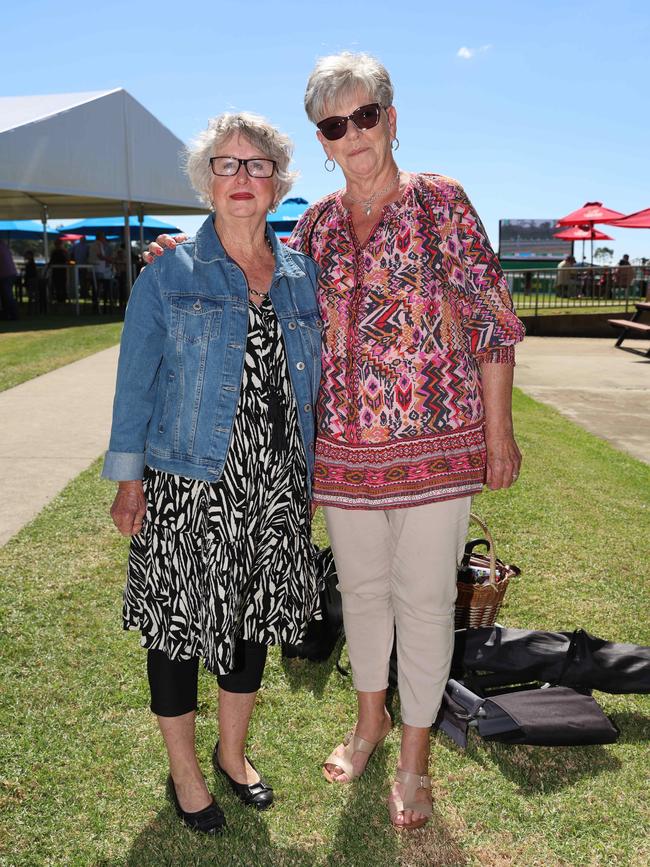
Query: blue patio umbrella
point(114, 227)
point(287, 215)
point(23, 230)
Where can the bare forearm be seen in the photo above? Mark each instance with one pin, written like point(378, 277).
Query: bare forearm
point(503, 455)
point(497, 382)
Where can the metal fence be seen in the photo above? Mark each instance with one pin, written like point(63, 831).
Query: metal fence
point(582, 287)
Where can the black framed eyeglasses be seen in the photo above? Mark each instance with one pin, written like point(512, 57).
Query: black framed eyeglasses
point(257, 167)
point(365, 117)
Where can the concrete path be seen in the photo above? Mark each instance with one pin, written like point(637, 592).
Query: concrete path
point(55, 426)
point(603, 389)
point(52, 428)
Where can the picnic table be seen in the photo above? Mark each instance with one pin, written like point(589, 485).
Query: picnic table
point(633, 325)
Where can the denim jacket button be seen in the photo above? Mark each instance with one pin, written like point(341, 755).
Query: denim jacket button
point(311, 447)
point(307, 407)
point(197, 305)
point(292, 326)
point(300, 365)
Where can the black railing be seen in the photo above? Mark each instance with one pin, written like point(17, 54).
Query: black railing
point(582, 288)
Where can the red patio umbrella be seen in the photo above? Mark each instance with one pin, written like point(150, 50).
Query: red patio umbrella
point(582, 233)
point(590, 212)
point(638, 220)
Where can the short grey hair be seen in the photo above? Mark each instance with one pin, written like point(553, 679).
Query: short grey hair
point(339, 75)
point(256, 130)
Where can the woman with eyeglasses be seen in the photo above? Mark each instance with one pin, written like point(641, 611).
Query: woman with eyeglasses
point(212, 445)
point(414, 409)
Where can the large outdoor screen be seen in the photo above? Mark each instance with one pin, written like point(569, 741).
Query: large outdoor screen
point(531, 239)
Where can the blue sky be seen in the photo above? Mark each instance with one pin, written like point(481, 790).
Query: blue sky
point(536, 107)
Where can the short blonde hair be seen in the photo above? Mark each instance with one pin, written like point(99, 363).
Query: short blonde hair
point(339, 75)
point(256, 130)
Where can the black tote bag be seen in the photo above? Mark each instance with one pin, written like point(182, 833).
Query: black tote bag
point(322, 635)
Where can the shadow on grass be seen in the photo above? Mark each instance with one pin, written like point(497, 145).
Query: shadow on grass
point(164, 842)
point(313, 676)
point(634, 727)
point(364, 835)
point(542, 769)
point(55, 321)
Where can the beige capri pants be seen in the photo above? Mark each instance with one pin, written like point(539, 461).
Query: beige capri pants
point(397, 571)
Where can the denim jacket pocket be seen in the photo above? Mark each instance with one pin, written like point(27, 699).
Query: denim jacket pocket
point(195, 318)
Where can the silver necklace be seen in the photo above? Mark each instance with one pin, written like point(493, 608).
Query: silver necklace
point(367, 204)
point(255, 292)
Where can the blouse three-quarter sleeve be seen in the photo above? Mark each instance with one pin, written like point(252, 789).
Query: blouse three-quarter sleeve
point(491, 325)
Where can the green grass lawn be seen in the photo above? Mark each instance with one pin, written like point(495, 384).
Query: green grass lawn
point(83, 767)
point(31, 347)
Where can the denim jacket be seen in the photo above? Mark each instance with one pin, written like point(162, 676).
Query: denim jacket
point(182, 358)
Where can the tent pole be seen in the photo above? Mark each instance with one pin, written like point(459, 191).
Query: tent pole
point(127, 250)
point(141, 219)
point(44, 221)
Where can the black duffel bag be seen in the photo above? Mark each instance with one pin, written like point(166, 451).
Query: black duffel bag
point(495, 656)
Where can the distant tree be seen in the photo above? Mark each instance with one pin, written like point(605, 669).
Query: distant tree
point(604, 255)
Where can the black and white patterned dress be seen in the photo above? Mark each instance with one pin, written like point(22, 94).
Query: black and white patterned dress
point(233, 558)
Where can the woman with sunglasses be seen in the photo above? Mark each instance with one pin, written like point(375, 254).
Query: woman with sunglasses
point(414, 409)
point(212, 444)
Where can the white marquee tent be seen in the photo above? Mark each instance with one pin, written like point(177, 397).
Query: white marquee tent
point(94, 154)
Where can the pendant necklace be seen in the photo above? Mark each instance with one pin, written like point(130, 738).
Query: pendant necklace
point(367, 204)
point(256, 292)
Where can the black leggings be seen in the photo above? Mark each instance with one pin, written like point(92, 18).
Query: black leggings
point(174, 682)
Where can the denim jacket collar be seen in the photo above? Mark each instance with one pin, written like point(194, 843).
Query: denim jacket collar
point(210, 249)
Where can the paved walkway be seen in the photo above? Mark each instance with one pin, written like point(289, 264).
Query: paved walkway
point(51, 429)
point(55, 426)
point(603, 389)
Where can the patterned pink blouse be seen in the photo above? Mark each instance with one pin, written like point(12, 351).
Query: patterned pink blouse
point(408, 318)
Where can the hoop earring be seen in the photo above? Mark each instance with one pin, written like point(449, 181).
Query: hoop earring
point(394, 145)
point(327, 168)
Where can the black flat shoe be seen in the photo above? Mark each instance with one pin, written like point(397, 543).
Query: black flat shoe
point(209, 820)
point(259, 795)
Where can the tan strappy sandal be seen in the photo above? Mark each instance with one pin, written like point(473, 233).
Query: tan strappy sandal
point(351, 744)
point(412, 783)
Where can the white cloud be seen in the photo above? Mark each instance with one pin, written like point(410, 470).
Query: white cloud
point(466, 53)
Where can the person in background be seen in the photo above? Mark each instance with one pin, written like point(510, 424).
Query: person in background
point(624, 273)
point(57, 268)
point(8, 274)
point(79, 254)
point(100, 258)
point(119, 263)
point(30, 279)
point(565, 275)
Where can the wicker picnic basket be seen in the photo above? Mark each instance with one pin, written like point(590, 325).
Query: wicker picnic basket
point(482, 582)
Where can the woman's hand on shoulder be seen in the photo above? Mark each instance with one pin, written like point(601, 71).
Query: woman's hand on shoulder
point(162, 243)
point(129, 507)
point(503, 460)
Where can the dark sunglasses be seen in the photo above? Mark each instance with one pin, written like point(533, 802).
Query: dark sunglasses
point(365, 117)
